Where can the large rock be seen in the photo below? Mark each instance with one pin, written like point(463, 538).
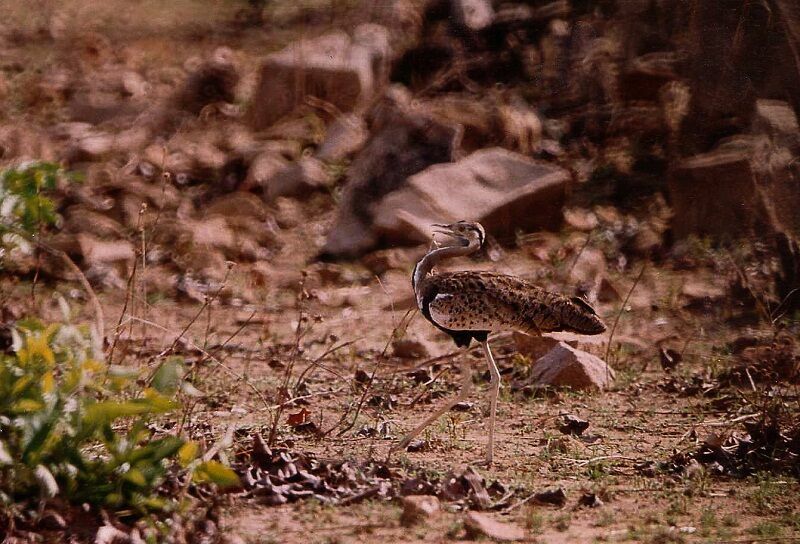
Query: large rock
point(565, 366)
point(405, 139)
point(503, 190)
point(745, 185)
point(776, 119)
point(334, 67)
point(714, 194)
point(297, 179)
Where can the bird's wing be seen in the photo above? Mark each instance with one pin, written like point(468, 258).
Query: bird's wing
point(459, 312)
point(486, 301)
point(475, 301)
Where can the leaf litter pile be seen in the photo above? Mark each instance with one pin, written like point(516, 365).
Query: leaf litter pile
point(279, 475)
point(770, 439)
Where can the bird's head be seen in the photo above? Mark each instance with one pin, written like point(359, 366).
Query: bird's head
point(466, 233)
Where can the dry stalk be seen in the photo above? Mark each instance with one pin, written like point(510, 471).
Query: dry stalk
point(299, 333)
point(213, 359)
point(70, 264)
point(368, 385)
point(622, 309)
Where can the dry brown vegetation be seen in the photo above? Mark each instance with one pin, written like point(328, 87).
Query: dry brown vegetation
point(275, 259)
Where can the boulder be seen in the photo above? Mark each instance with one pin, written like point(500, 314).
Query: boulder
point(419, 508)
point(333, 67)
point(645, 75)
point(714, 194)
point(480, 525)
point(746, 185)
point(534, 347)
point(405, 139)
point(264, 167)
point(776, 119)
point(565, 366)
point(497, 187)
point(99, 252)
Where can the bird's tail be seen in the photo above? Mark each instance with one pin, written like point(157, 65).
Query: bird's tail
point(578, 316)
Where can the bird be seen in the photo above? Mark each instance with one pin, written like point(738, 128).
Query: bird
point(468, 305)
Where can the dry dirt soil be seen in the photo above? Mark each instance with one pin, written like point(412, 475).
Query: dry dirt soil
point(335, 322)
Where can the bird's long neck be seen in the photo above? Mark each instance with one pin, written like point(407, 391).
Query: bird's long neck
point(426, 264)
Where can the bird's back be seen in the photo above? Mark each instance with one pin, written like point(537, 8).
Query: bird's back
point(483, 301)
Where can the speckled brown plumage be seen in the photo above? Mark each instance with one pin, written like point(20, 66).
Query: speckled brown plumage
point(483, 302)
point(469, 305)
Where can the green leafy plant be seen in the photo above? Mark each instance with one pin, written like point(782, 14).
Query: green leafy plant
point(75, 428)
point(23, 195)
point(26, 208)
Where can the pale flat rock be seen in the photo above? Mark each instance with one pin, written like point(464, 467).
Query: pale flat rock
point(495, 186)
point(97, 251)
point(566, 366)
point(480, 525)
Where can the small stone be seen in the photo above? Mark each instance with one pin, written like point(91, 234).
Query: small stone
point(478, 525)
point(573, 425)
point(566, 366)
point(591, 500)
point(408, 348)
point(419, 508)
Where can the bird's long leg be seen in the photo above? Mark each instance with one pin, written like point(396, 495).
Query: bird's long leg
point(494, 391)
point(463, 394)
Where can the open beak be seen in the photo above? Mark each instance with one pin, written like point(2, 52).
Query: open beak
point(442, 229)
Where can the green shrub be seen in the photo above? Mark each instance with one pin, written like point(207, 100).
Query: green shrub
point(23, 195)
point(25, 204)
point(74, 427)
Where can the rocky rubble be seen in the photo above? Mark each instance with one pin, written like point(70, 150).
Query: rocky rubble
point(416, 113)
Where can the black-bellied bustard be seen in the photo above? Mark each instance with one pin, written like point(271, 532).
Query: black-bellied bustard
point(472, 304)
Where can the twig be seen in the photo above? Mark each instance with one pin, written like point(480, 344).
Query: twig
point(223, 442)
point(622, 309)
point(211, 358)
point(601, 458)
point(98, 309)
point(191, 322)
point(316, 362)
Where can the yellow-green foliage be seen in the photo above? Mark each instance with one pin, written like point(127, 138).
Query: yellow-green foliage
point(72, 426)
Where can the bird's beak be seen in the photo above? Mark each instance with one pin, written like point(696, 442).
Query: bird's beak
point(442, 229)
